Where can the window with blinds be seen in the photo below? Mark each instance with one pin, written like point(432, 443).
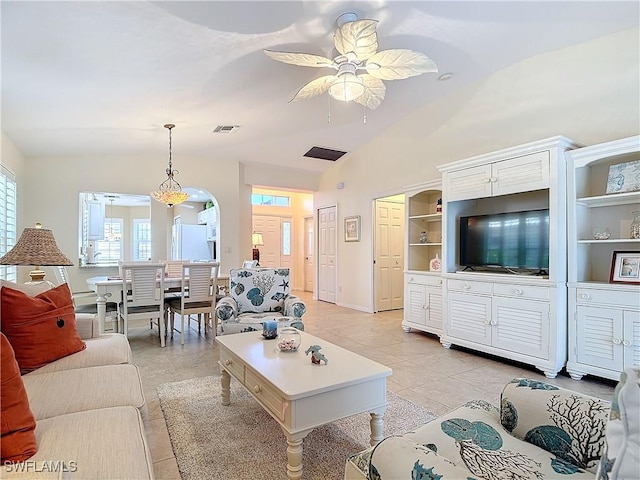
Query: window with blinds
point(8, 234)
point(142, 239)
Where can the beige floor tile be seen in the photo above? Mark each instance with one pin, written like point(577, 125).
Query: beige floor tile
point(424, 372)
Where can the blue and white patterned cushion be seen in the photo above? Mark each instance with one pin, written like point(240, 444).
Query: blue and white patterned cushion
point(541, 432)
point(259, 290)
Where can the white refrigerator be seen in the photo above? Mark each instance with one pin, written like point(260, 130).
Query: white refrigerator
point(189, 242)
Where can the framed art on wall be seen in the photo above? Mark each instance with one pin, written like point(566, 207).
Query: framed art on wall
point(352, 228)
point(625, 267)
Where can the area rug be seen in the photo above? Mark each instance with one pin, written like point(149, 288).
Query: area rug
point(241, 441)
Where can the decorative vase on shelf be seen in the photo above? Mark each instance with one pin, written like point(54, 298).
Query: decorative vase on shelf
point(423, 237)
point(434, 264)
point(635, 225)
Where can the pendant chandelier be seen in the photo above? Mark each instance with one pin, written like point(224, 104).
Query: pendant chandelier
point(170, 192)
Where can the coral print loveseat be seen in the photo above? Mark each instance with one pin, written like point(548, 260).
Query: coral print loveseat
point(539, 432)
point(255, 296)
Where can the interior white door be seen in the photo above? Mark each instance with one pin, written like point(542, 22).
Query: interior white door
point(327, 243)
point(389, 255)
point(309, 244)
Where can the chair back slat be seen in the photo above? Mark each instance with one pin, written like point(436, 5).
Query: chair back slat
point(143, 284)
point(199, 278)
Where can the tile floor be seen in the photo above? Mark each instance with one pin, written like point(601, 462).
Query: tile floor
point(423, 371)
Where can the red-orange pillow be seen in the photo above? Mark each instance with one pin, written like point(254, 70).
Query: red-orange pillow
point(18, 438)
point(41, 329)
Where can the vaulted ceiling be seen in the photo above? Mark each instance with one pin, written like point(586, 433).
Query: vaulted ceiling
point(102, 78)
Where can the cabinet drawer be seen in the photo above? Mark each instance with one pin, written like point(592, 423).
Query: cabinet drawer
point(432, 280)
point(587, 296)
point(521, 291)
point(232, 365)
point(265, 393)
point(470, 286)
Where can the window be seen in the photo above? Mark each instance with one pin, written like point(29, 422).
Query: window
point(141, 239)
point(272, 200)
point(286, 238)
point(8, 235)
point(110, 248)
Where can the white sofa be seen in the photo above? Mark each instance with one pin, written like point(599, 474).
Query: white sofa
point(540, 431)
point(89, 409)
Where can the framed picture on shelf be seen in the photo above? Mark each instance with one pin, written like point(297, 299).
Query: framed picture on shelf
point(352, 228)
point(625, 267)
point(624, 177)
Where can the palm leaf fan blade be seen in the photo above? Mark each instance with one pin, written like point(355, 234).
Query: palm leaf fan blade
point(398, 64)
point(359, 37)
point(373, 94)
point(314, 87)
point(300, 59)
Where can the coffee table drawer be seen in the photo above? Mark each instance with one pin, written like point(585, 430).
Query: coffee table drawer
point(265, 393)
point(234, 366)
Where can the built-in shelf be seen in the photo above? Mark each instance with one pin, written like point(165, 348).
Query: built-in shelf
point(611, 240)
point(609, 200)
point(425, 244)
point(429, 217)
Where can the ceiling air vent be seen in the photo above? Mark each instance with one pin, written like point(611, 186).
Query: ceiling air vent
point(226, 128)
point(324, 153)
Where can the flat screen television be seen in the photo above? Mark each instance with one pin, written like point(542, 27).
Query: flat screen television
point(515, 240)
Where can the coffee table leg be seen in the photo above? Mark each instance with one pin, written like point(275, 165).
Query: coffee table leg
point(377, 425)
point(294, 453)
point(225, 381)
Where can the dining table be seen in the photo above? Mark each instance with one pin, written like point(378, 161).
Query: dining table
point(109, 288)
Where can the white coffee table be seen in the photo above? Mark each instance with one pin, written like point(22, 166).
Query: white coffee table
point(300, 395)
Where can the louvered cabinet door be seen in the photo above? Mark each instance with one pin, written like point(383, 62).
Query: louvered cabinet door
point(434, 307)
point(631, 339)
point(521, 326)
point(600, 337)
point(469, 317)
point(415, 304)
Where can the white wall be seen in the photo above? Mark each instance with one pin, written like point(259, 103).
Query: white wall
point(587, 92)
point(50, 189)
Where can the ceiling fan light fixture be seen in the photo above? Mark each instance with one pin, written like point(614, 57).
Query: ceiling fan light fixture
point(348, 86)
point(170, 192)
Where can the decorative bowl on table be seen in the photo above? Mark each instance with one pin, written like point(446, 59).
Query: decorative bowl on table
point(289, 339)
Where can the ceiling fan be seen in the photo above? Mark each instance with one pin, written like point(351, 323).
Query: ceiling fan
point(357, 43)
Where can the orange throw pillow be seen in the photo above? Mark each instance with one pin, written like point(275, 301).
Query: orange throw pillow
point(18, 438)
point(41, 329)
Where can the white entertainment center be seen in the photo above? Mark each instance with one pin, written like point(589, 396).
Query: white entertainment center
point(525, 315)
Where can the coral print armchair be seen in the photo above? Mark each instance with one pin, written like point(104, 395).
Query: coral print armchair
point(539, 432)
point(257, 295)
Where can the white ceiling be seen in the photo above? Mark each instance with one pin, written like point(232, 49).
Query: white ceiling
point(102, 78)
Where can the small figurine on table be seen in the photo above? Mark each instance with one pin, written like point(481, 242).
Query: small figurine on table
point(316, 356)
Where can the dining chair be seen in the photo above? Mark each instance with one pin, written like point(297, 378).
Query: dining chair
point(79, 297)
point(143, 295)
point(173, 269)
point(198, 297)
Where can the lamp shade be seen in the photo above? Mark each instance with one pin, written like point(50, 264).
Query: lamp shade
point(36, 246)
point(256, 239)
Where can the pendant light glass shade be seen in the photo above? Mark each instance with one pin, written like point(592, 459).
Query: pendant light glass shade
point(170, 192)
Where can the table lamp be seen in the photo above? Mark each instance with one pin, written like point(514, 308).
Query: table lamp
point(36, 246)
point(256, 239)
